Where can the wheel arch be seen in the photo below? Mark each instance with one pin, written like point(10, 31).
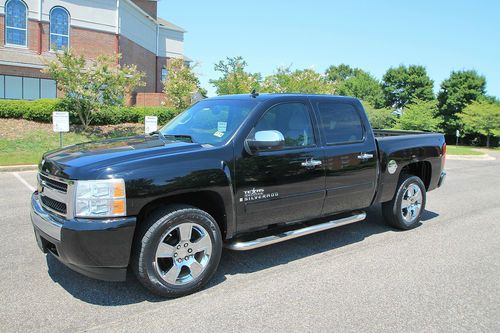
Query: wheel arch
point(421, 169)
point(208, 201)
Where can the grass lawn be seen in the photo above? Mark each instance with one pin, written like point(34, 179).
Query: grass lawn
point(462, 150)
point(24, 142)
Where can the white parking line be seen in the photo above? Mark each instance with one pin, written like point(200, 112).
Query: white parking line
point(31, 188)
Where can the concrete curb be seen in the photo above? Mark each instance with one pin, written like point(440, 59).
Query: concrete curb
point(14, 168)
point(470, 157)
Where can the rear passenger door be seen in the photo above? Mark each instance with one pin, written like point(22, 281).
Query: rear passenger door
point(282, 185)
point(350, 154)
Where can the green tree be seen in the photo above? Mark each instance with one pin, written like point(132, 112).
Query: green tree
point(456, 92)
point(342, 72)
point(234, 79)
point(420, 116)
point(383, 118)
point(181, 84)
point(403, 85)
point(284, 80)
point(482, 117)
point(90, 85)
point(363, 86)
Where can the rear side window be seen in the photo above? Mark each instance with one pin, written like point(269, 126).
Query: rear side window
point(340, 123)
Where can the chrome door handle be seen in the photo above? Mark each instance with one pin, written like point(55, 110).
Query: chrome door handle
point(310, 163)
point(365, 156)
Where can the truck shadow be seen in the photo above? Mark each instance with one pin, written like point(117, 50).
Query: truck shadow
point(232, 262)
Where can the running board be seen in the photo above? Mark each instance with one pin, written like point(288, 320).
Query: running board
point(283, 236)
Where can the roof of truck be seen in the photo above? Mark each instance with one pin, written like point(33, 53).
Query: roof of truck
point(266, 96)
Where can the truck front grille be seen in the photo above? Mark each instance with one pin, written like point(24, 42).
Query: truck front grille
point(54, 205)
point(54, 184)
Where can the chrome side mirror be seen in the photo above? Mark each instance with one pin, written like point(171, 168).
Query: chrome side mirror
point(265, 140)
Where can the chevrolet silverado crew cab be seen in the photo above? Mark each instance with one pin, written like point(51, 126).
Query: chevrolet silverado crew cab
point(240, 172)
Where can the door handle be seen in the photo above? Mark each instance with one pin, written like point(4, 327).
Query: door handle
point(365, 156)
point(311, 163)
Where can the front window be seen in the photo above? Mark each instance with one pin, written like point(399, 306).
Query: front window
point(292, 120)
point(16, 20)
point(209, 121)
point(59, 29)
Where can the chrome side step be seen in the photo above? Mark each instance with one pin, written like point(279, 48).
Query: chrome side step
point(283, 236)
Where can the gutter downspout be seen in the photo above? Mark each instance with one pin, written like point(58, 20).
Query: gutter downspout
point(117, 32)
point(156, 58)
point(40, 28)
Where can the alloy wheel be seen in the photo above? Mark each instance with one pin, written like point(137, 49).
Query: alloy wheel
point(183, 253)
point(411, 203)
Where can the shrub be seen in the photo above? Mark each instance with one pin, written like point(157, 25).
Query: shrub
point(41, 110)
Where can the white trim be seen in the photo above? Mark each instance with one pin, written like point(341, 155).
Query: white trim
point(157, 39)
point(40, 10)
point(56, 34)
point(170, 29)
point(16, 46)
point(25, 25)
point(20, 64)
point(117, 31)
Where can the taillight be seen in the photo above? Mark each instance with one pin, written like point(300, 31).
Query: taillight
point(444, 156)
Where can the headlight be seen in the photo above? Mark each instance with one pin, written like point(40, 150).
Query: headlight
point(100, 198)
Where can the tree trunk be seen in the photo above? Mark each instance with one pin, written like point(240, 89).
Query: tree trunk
point(488, 141)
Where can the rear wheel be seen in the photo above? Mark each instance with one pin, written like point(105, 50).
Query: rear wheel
point(405, 210)
point(177, 250)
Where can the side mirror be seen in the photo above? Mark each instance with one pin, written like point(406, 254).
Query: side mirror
point(265, 140)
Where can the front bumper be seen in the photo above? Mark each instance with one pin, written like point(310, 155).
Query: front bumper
point(96, 248)
point(442, 177)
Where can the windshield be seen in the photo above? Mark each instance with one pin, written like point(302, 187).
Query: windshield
point(210, 121)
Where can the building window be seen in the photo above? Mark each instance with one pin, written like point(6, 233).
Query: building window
point(164, 74)
point(17, 87)
point(59, 29)
point(16, 22)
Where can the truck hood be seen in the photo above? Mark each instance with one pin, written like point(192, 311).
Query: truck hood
point(89, 160)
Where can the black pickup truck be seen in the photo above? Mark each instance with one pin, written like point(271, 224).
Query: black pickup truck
point(240, 172)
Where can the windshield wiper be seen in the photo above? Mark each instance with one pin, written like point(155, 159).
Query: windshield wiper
point(180, 137)
point(176, 137)
point(160, 134)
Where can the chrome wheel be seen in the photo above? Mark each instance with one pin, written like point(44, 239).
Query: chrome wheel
point(183, 253)
point(411, 203)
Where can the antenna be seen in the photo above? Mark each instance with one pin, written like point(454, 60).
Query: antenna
point(254, 93)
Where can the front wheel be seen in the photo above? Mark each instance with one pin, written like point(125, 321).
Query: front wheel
point(405, 210)
point(177, 251)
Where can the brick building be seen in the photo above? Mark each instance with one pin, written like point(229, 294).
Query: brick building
point(33, 30)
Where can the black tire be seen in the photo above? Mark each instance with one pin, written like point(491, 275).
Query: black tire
point(151, 232)
point(392, 211)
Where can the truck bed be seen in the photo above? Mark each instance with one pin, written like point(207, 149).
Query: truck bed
point(383, 133)
point(405, 147)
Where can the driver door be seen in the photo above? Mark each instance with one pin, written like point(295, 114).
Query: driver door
point(285, 184)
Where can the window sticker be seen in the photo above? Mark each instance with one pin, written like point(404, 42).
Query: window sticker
point(219, 134)
point(221, 126)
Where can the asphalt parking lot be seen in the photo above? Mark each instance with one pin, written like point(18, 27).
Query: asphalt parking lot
point(441, 276)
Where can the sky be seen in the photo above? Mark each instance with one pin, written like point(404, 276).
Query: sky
point(441, 35)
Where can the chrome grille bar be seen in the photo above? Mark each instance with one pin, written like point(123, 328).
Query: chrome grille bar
point(55, 194)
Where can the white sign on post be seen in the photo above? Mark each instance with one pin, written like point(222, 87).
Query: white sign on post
point(150, 124)
point(60, 121)
point(458, 133)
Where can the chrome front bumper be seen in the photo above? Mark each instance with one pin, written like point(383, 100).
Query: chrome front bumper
point(43, 220)
point(94, 247)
